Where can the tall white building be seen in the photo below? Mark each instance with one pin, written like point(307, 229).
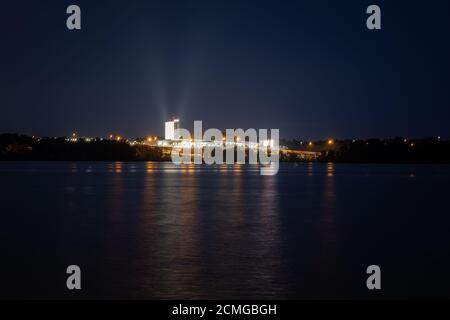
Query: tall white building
point(171, 126)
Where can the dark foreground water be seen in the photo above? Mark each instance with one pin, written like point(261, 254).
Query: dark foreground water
point(152, 230)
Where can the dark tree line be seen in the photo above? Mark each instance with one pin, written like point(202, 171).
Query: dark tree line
point(19, 147)
point(397, 150)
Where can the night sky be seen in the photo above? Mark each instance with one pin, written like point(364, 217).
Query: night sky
point(310, 68)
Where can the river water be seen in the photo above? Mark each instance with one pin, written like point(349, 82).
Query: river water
point(158, 231)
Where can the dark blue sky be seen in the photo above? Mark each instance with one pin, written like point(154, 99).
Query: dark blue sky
point(309, 68)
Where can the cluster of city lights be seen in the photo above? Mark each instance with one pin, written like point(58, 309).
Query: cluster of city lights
point(191, 143)
point(330, 142)
point(118, 138)
point(172, 125)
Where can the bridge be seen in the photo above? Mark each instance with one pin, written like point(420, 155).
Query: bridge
point(304, 155)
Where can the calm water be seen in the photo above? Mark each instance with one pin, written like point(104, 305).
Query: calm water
point(152, 230)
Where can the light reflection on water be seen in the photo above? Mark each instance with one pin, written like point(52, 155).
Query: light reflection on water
point(156, 230)
point(192, 234)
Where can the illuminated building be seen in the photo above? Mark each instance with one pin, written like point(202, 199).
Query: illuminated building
point(171, 126)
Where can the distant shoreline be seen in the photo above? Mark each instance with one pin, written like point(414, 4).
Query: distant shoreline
point(15, 147)
point(281, 161)
point(2, 160)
